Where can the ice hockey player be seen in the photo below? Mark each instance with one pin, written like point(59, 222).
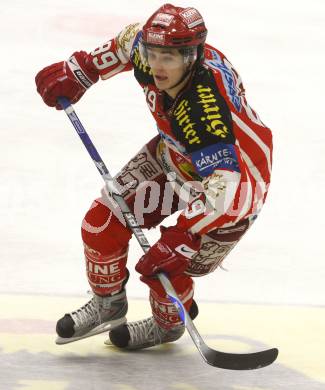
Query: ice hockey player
point(211, 159)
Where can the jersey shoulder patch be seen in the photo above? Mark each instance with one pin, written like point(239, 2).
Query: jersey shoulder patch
point(125, 41)
point(142, 71)
point(217, 156)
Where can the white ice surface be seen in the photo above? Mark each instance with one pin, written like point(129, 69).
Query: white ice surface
point(48, 181)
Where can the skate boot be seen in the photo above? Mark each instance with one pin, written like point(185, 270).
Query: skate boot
point(146, 333)
point(96, 316)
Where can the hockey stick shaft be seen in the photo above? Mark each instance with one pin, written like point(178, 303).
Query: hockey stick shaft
point(127, 214)
point(215, 358)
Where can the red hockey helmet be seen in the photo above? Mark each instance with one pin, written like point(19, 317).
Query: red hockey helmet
point(175, 27)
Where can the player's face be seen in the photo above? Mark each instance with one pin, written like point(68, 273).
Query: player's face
point(167, 66)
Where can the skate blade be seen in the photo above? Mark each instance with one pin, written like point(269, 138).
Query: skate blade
point(106, 327)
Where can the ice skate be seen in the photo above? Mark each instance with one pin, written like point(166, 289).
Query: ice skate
point(143, 334)
point(146, 333)
point(99, 315)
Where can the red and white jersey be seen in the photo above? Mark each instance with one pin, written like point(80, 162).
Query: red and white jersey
point(211, 138)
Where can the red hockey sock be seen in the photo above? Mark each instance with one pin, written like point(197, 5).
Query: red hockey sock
point(106, 248)
point(163, 310)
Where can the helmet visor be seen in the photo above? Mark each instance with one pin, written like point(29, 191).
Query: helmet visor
point(167, 57)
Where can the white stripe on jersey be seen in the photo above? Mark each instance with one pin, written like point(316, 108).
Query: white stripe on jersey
point(246, 129)
point(113, 72)
point(253, 170)
point(248, 193)
point(259, 192)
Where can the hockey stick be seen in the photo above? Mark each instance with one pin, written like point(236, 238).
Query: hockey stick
point(215, 358)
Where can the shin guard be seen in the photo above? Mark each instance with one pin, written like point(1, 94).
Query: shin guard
point(106, 274)
point(106, 249)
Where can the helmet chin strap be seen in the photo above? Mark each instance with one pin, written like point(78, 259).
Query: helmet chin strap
point(186, 73)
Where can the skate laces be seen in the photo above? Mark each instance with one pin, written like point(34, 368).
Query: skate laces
point(145, 330)
point(87, 314)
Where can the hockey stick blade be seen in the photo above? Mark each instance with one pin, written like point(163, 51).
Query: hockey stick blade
point(228, 361)
point(238, 361)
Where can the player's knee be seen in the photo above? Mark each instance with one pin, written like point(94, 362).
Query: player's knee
point(102, 231)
